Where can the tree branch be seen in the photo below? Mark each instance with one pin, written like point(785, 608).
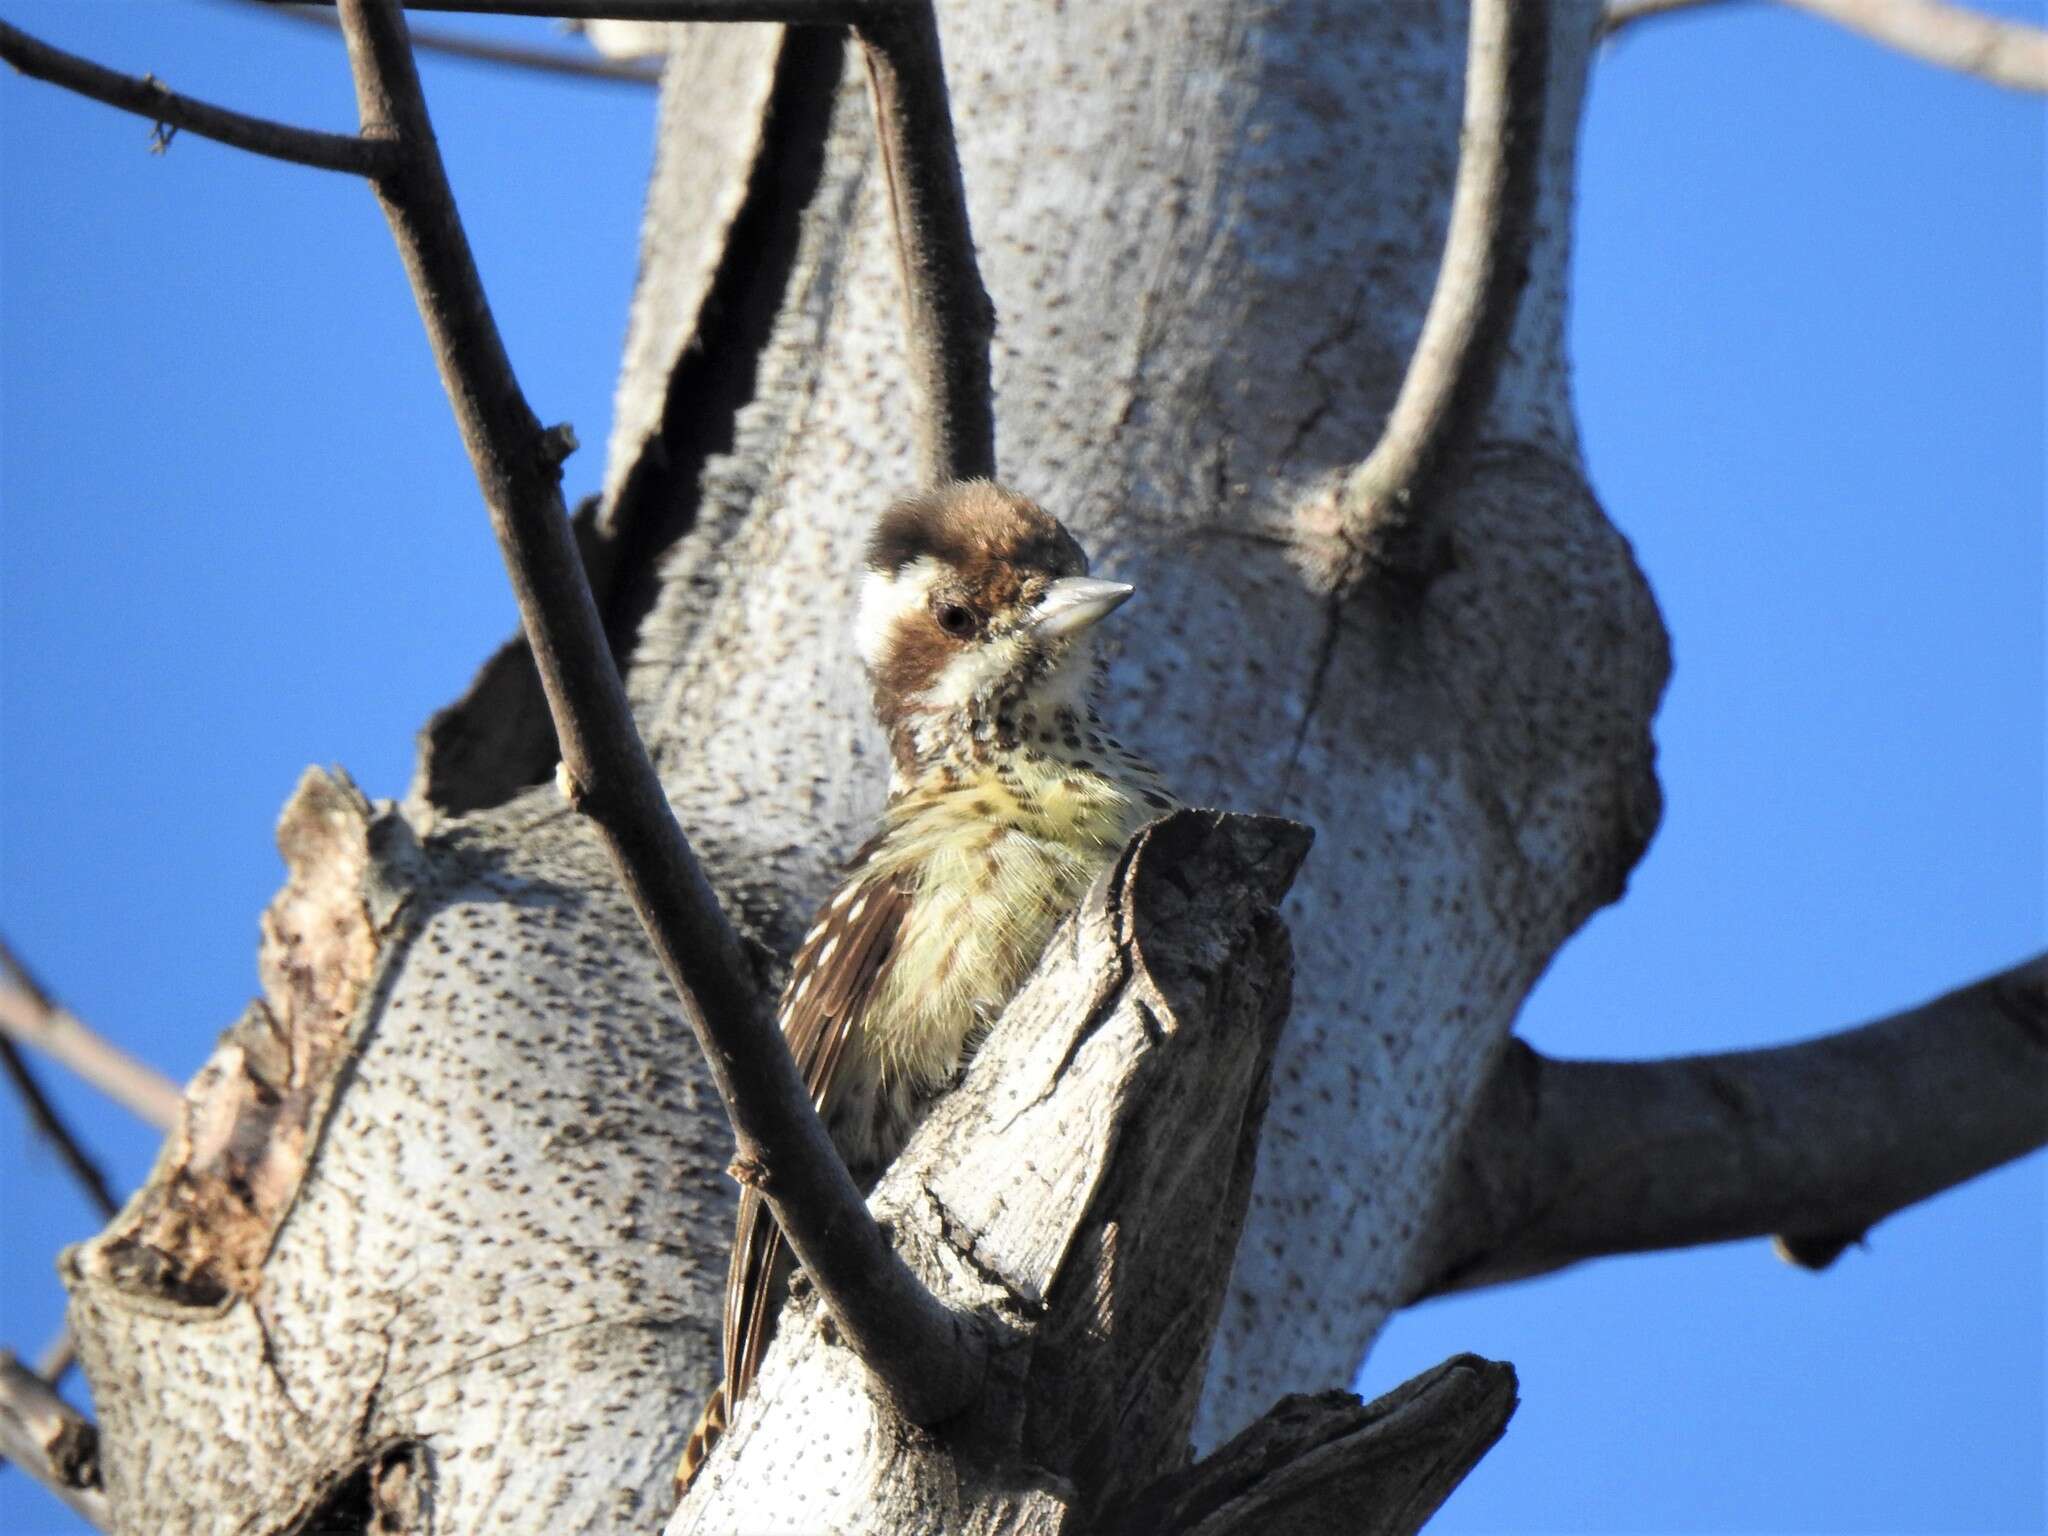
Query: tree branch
point(51, 1441)
point(1815, 1142)
point(31, 1016)
point(1331, 1464)
point(50, 1125)
point(57, 1358)
point(927, 1358)
point(1383, 505)
point(2008, 53)
point(948, 318)
point(148, 98)
point(553, 61)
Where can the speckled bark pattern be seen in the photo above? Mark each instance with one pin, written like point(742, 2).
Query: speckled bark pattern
point(506, 1247)
point(1210, 233)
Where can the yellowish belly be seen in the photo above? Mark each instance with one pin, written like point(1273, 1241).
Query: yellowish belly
point(997, 860)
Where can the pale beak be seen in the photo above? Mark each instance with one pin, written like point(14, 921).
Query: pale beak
point(1073, 603)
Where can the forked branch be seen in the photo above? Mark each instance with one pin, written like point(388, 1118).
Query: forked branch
point(926, 1357)
point(1812, 1143)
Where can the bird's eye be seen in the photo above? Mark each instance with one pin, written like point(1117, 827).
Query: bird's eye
point(955, 619)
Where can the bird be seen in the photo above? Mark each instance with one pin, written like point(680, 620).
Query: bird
point(1007, 796)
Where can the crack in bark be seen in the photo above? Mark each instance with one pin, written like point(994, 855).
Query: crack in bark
point(1318, 680)
point(717, 378)
point(1347, 327)
point(497, 739)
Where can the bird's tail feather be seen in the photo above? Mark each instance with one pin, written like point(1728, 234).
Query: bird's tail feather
point(709, 1431)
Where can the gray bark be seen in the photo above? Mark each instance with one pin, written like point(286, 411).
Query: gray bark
point(1812, 1144)
point(1210, 234)
point(448, 1209)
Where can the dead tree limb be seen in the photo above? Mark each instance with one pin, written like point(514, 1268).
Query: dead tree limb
point(30, 1016)
point(150, 98)
point(1381, 507)
point(1811, 1143)
point(49, 1124)
point(51, 1441)
point(2013, 54)
point(948, 319)
point(925, 1355)
point(1329, 1465)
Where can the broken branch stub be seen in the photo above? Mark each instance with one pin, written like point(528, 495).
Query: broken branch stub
point(1082, 1192)
point(1328, 1463)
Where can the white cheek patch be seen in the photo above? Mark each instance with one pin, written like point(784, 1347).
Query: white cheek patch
point(885, 598)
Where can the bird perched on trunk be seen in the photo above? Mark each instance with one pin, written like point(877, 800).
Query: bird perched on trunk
point(1007, 798)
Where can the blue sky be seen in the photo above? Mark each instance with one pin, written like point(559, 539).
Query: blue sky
point(237, 536)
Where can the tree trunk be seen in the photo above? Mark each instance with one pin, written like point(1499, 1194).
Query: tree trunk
point(444, 1231)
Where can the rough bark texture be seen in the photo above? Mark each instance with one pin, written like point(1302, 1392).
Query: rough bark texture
point(490, 1246)
point(1328, 1463)
point(1210, 233)
point(1082, 1193)
point(489, 1267)
point(1813, 1143)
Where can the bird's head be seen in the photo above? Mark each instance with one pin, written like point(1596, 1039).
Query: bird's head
point(976, 608)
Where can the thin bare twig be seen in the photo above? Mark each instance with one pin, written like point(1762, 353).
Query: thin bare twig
point(50, 1125)
point(29, 1433)
point(926, 1358)
point(32, 1017)
point(553, 61)
point(57, 1358)
point(51, 1441)
point(147, 97)
point(948, 316)
point(2013, 54)
point(1382, 505)
point(1815, 1142)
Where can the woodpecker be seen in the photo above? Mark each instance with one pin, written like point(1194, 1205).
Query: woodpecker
point(1007, 797)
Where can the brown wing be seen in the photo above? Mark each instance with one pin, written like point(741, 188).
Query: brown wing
point(829, 986)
